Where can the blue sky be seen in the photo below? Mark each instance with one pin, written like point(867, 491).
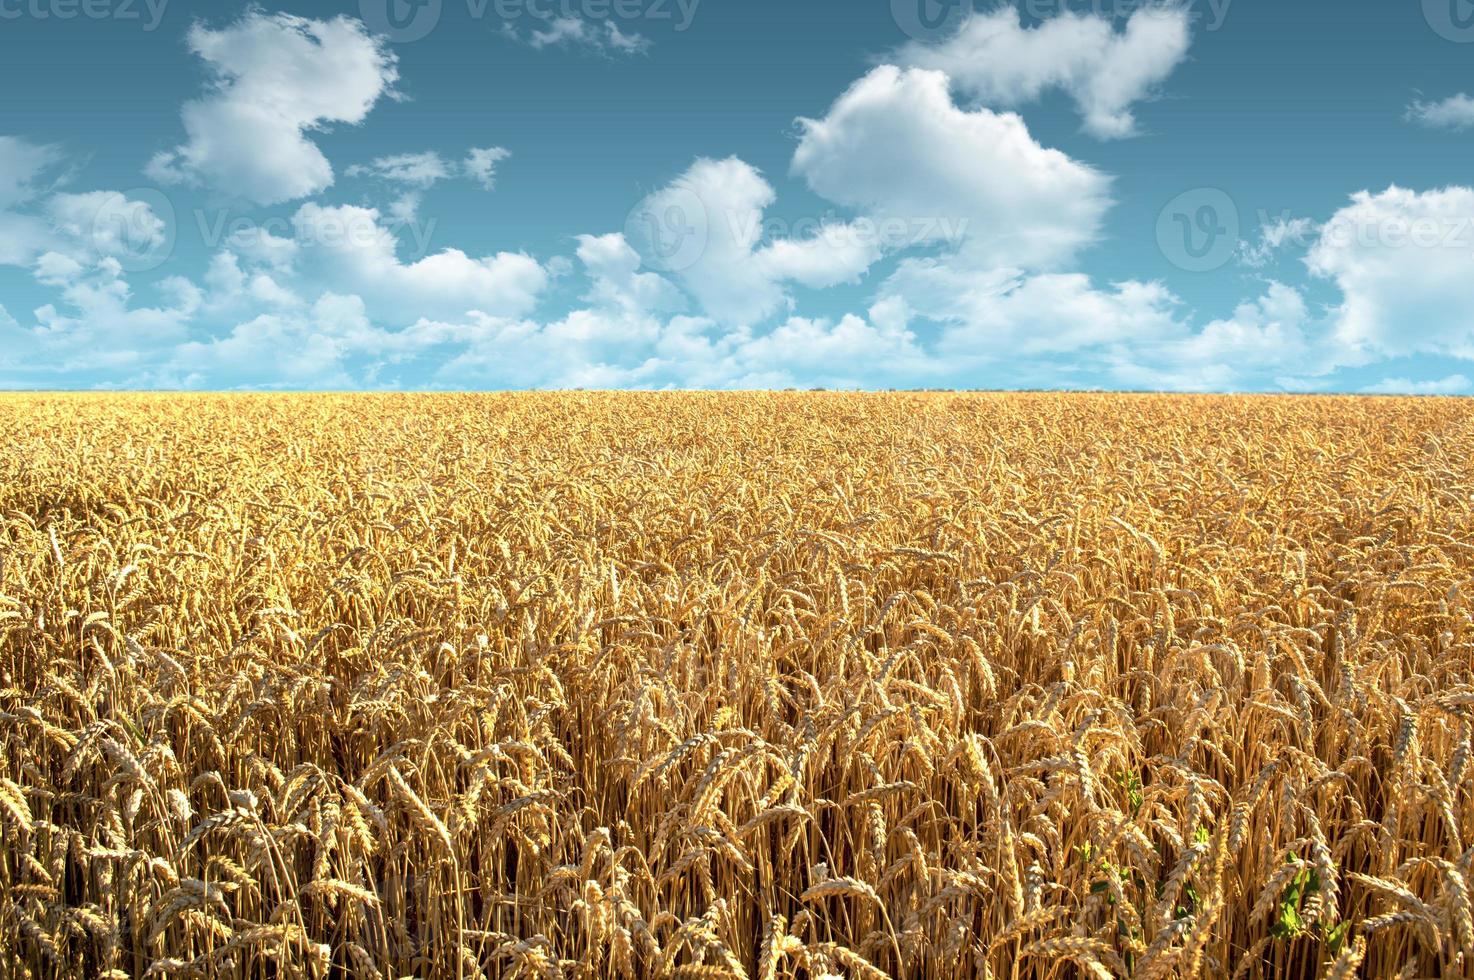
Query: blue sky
point(1224, 195)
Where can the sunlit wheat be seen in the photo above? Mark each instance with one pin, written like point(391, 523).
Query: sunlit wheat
point(590, 685)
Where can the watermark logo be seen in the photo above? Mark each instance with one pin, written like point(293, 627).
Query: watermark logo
point(348, 230)
point(136, 227)
point(670, 229)
point(401, 21)
point(1198, 231)
point(930, 20)
point(1452, 20)
point(148, 13)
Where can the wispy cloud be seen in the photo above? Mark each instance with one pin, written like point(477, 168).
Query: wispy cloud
point(1455, 112)
point(602, 37)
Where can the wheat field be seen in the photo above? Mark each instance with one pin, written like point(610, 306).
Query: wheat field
point(701, 685)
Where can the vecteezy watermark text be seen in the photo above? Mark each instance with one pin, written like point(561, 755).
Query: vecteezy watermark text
point(148, 12)
point(403, 21)
point(1209, 14)
point(332, 230)
point(930, 21)
point(140, 228)
point(672, 231)
point(1199, 231)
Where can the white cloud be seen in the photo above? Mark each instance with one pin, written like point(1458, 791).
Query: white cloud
point(993, 58)
point(1265, 332)
point(1454, 384)
point(351, 252)
point(1404, 261)
point(481, 164)
point(1279, 234)
point(101, 329)
point(420, 171)
point(843, 353)
point(835, 253)
point(405, 209)
point(1455, 112)
point(231, 288)
point(590, 349)
point(603, 37)
point(613, 266)
point(1011, 328)
point(312, 349)
point(1055, 329)
point(723, 260)
point(1265, 338)
point(277, 79)
point(897, 148)
point(414, 169)
point(258, 244)
point(56, 269)
point(23, 165)
point(22, 238)
point(424, 170)
point(1005, 314)
point(108, 222)
point(982, 222)
point(417, 171)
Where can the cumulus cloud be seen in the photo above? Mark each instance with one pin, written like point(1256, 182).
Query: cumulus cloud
point(277, 78)
point(231, 288)
point(1455, 112)
point(994, 59)
point(350, 250)
point(1404, 262)
point(1007, 314)
point(709, 227)
point(315, 349)
point(1267, 338)
point(56, 269)
point(834, 253)
point(261, 246)
point(613, 266)
point(108, 223)
point(840, 353)
point(1013, 329)
point(979, 225)
point(585, 350)
point(897, 148)
point(99, 326)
